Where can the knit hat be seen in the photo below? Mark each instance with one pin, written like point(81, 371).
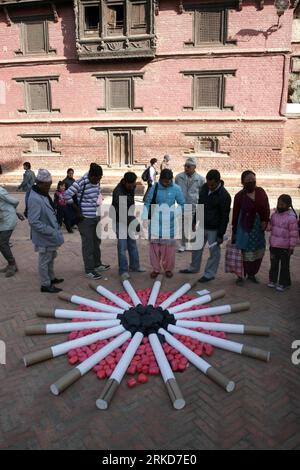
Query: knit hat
point(191, 161)
point(44, 176)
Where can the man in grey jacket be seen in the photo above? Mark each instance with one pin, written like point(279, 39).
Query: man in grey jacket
point(8, 221)
point(28, 178)
point(190, 183)
point(46, 234)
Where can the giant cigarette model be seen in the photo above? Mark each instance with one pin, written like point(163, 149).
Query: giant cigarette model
point(178, 293)
point(173, 389)
point(116, 378)
point(203, 299)
point(221, 343)
point(110, 296)
point(155, 290)
point(71, 314)
point(130, 290)
point(123, 322)
point(63, 348)
point(212, 311)
point(76, 299)
point(78, 371)
point(202, 365)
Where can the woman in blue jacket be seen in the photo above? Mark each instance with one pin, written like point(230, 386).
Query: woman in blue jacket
point(163, 197)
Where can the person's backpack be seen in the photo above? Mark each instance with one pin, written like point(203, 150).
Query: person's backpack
point(146, 174)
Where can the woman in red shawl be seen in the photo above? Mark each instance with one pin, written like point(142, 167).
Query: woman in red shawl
point(251, 213)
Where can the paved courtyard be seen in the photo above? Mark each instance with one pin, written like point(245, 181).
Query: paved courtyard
point(262, 413)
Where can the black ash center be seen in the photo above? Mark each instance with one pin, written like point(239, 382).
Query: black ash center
point(146, 319)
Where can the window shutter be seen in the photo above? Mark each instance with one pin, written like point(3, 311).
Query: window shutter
point(43, 145)
point(38, 96)
point(119, 93)
point(209, 27)
point(35, 37)
point(208, 92)
point(138, 15)
point(206, 145)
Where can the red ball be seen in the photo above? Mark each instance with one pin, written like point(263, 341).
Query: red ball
point(131, 382)
point(142, 378)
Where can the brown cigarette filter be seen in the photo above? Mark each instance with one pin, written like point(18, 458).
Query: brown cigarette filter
point(106, 396)
point(38, 356)
point(35, 330)
point(46, 312)
point(93, 286)
point(256, 353)
point(193, 282)
point(175, 394)
point(257, 330)
point(239, 307)
point(65, 296)
point(220, 379)
point(65, 381)
point(218, 294)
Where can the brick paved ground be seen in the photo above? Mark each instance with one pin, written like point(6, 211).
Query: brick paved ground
point(263, 411)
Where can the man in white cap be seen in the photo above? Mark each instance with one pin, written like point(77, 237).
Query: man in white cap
point(190, 183)
point(46, 234)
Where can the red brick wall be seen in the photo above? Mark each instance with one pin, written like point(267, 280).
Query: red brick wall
point(256, 93)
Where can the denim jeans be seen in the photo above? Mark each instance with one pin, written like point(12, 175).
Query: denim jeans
point(130, 245)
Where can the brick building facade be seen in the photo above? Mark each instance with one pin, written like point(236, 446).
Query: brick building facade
point(121, 81)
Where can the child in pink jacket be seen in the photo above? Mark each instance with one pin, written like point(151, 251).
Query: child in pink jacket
point(283, 239)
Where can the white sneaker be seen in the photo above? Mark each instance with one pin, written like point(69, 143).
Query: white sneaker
point(102, 267)
point(272, 285)
point(93, 275)
point(280, 288)
point(181, 249)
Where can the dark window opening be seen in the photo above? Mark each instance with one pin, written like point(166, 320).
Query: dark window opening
point(92, 18)
point(115, 18)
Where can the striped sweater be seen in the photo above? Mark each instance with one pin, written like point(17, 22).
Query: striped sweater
point(87, 193)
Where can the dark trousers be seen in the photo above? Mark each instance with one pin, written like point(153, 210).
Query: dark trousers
point(63, 217)
point(5, 248)
point(90, 243)
point(280, 266)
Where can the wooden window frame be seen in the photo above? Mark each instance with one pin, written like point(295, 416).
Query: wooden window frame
point(103, 32)
point(111, 132)
point(24, 21)
point(27, 81)
point(35, 138)
point(214, 137)
point(217, 7)
point(130, 77)
point(222, 74)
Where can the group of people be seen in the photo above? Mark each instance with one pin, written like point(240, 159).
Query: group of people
point(77, 203)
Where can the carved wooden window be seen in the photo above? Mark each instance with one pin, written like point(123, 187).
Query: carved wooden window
point(208, 90)
point(119, 94)
point(91, 19)
point(210, 27)
point(37, 93)
point(207, 145)
point(138, 17)
point(40, 144)
point(115, 19)
point(35, 36)
point(119, 91)
point(38, 96)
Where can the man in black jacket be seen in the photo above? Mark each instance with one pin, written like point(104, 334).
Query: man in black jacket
point(123, 202)
point(216, 201)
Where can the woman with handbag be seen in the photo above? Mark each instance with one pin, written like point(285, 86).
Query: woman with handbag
point(163, 196)
point(251, 213)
